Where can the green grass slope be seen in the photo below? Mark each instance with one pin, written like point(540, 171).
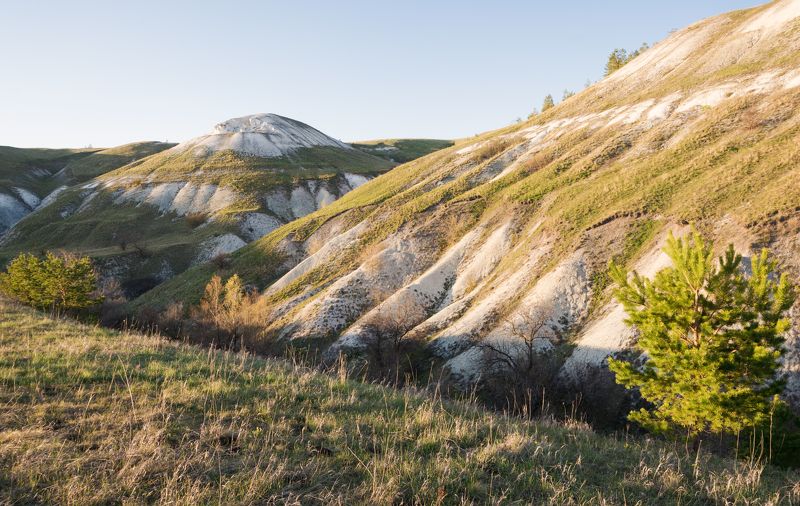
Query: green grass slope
point(106, 160)
point(402, 150)
point(92, 416)
point(32, 168)
point(137, 241)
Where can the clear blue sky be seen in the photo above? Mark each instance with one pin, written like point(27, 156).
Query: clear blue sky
point(106, 73)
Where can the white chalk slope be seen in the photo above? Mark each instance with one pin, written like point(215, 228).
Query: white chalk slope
point(264, 135)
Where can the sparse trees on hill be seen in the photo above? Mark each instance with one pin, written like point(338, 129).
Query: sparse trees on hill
point(620, 57)
point(712, 336)
point(548, 103)
point(54, 282)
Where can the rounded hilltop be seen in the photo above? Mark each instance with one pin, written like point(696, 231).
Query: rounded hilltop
point(264, 135)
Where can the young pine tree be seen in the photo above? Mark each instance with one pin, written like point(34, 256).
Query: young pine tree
point(548, 103)
point(54, 282)
point(616, 60)
point(712, 337)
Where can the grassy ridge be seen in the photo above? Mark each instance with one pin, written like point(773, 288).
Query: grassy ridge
point(107, 160)
point(18, 166)
point(91, 416)
point(402, 150)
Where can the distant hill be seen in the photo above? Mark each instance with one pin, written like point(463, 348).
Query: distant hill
point(402, 150)
point(31, 176)
point(158, 215)
point(106, 160)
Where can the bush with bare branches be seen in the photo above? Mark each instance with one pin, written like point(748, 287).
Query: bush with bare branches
point(391, 356)
point(520, 370)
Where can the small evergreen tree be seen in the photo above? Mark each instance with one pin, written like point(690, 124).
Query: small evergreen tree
point(55, 282)
point(548, 103)
point(616, 60)
point(712, 337)
point(620, 57)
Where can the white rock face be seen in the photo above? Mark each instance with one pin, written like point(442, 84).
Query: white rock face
point(257, 225)
point(265, 135)
point(180, 198)
point(29, 198)
point(12, 210)
point(309, 196)
point(226, 243)
point(774, 18)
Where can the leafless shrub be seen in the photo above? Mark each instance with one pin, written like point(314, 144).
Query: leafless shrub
point(194, 220)
point(221, 261)
point(391, 356)
point(519, 371)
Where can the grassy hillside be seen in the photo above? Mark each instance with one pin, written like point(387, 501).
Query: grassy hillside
point(32, 168)
point(140, 241)
point(109, 159)
point(402, 150)
point(91, 416)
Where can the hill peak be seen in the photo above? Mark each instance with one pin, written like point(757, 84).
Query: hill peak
point(266, 135)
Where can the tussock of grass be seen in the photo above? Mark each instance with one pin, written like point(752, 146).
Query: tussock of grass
point(93, 416)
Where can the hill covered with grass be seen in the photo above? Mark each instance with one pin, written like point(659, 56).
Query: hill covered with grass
point(33, 177)
point(470, 241)
point(158, 215)
point(402, 150)
point(92, 416)
point(106, 160)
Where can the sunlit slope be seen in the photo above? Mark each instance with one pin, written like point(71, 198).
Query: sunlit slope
point(704, 128)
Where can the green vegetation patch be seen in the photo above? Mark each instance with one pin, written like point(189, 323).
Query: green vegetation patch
point(402, 150)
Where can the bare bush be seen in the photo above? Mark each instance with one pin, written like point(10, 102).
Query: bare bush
point(194, 220)
point(221, 261)
point(112, 309)
point(520, 370)
point(391, 356)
